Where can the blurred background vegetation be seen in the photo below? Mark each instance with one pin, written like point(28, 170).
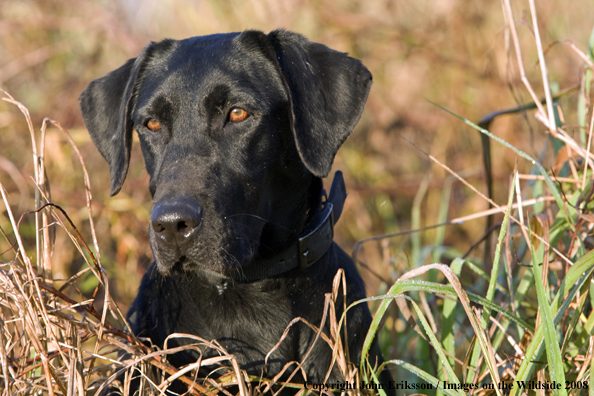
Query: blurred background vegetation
point(452, 52)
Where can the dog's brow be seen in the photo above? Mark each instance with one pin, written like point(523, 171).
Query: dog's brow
point(160, 107)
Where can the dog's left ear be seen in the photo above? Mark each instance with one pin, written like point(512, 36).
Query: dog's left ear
point(327, 90)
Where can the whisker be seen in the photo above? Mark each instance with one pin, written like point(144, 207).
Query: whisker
point(263, 219)
point(259, 218)
point(247, 214)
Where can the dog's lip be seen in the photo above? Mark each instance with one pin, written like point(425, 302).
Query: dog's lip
point(184, 262)
point(165, 269)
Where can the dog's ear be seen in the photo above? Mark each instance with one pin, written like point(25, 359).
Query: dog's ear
point(327, 90)
point(107, 105)
point(106, 109)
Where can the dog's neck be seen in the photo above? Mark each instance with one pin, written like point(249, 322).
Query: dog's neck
point(313, 241)
point(314, 198)
point(299, 208)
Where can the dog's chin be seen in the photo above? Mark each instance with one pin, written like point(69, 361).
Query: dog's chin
point(223, 262)
point(166, 268)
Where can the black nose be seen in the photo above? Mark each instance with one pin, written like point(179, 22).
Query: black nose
point(175, 220)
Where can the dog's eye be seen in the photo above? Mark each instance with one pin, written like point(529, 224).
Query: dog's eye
point(153, 125)
point(237, 115)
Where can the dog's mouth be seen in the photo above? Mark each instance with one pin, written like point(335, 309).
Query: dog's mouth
point(182, 264)
point(225, 253)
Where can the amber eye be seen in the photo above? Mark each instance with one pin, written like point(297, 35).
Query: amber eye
point(238, 115)
point(153, 125)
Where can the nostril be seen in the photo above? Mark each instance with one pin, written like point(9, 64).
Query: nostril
point(185, 228)
point(158, 227)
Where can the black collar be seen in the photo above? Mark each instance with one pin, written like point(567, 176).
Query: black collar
point(308, 249)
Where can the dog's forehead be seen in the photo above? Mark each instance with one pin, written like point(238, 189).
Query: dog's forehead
point(197, 64)
point(204, 51)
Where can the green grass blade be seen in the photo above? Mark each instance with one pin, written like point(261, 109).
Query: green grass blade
point(476, 353)
point(575, 318)
point(591, 384)
point(569, 288)
point(442, 356)
point(497, 259)
point(371, 334)
point(376, 380)
point(551, 341)
point(479, 271)
point(447, 324)
point(452, 379)
point(448, 317)
point(377, 318)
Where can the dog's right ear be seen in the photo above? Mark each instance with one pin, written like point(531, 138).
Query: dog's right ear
point(107, 105)
point(106, 108)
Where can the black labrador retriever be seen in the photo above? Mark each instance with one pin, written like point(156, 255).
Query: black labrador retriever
point(237, 131)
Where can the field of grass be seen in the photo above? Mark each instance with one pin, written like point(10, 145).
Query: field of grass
point(477, 274)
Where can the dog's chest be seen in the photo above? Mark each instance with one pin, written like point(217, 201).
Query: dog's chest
point(248, 320)
point(240, 310)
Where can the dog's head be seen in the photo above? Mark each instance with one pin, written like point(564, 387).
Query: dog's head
point(234, 129)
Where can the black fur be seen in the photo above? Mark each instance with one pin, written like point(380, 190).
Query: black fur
point(237, 191)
